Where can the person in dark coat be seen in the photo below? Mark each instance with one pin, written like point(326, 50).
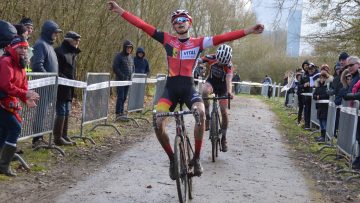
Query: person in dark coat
point(66, 54)
point(236, 78)
point(301, 89)
point(123, 66)
point(321, 86)
point(140, 62)
point(308, 83)
point(44, 60)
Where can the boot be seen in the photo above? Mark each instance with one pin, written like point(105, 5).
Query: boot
point(6, 157)
point(321, 138)
point(65, 131)
point(58, 129)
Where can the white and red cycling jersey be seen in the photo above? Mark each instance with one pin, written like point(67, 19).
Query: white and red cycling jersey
point(181, 56)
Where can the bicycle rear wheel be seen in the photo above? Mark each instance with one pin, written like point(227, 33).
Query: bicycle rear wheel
point(181, 170)
point(214, 136)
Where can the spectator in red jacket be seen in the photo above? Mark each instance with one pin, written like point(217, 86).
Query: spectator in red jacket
point(13, 86)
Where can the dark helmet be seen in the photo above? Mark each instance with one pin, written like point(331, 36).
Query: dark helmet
point(7, 33)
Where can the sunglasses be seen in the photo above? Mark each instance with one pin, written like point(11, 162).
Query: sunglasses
point(180, 20)
point(350, 65)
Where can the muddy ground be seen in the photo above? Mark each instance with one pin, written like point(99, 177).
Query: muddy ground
point(259, 167)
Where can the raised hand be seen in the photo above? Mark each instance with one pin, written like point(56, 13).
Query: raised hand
point(114, 7)
point(258, 28)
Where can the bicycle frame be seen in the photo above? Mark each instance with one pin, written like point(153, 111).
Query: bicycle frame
point(183, 152)
point(216, 124)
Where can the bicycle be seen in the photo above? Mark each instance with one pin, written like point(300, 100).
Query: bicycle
point(215, 125)
point(183, 152)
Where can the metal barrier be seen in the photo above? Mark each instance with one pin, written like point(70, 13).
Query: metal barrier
point(313, 114)
point(244, 89)
point(159, 88)
point(39, 121)
point(292, 100)
point(330, 124)
point(136, 96)
point(264, 90)
point(95, 110)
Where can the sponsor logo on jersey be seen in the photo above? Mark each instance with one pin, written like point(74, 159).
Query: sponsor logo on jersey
point(189, 53)
point(174, 53)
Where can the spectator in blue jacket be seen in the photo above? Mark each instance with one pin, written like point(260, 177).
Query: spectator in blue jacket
point(140, 62)
point(44, 60)
point(123, 66)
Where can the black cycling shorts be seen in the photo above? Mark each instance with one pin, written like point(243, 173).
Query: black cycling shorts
point(178, 89)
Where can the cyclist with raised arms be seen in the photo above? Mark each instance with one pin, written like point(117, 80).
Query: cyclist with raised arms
point(219, 82)
point(182, 52)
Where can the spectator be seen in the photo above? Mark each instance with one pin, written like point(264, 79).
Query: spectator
point(44, 60)
point(123, 66)
point(23, 32)
point(267, 81)
point(199, 72)
point(27, 22)
point(321, 86)
point(140, 62)
point(13, 86)
point(342, 59)
point(66, 54)
point(302, 89)
point(353, 63)
point(236, 78)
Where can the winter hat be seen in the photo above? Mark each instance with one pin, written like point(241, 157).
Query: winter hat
point(343, 56)
point(7, 33)
point(20, 28)
point(26, 21)
point(18, 41)
point(325, 67)
point(72, 35)
point(305, 62)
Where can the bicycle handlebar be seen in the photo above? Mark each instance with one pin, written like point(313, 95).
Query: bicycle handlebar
point(228, 97)
point(195, 112)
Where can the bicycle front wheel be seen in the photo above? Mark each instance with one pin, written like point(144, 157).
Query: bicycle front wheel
point(214, 136)
point(181, 170)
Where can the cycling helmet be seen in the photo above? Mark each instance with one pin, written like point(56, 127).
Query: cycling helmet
point(180, 13)
point(224, 54)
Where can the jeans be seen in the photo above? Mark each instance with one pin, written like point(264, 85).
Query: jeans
point(63, 108)
point(307, 111)
point(10, 128)
point(122, 92)
point(322, 124)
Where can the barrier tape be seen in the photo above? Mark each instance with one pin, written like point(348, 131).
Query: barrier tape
point(119, 83)
point(32, 84)
point(151, 80)
point(97, 86)
point(322, 101)
point(307, 94)
point(139, 80)
point(71, 83)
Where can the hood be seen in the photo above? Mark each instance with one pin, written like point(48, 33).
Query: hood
point(140, 50)
point(327, 81)
point(126, 44)
point(48, 28)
